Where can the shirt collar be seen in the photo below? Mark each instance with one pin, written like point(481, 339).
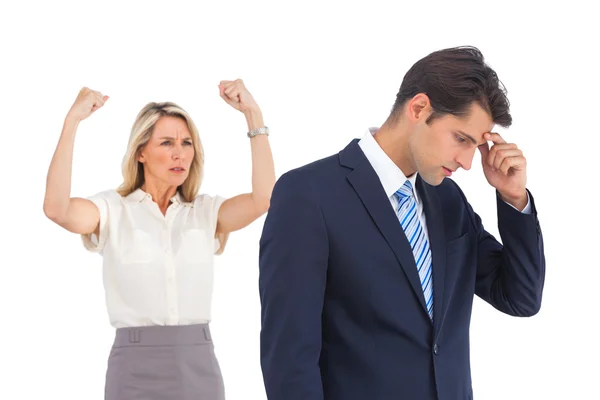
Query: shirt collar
point(139, 195)
point(390, 175)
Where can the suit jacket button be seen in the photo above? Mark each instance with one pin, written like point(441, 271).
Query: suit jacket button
point(436, 349)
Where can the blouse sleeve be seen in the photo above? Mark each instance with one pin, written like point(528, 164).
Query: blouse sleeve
point(210, 211)
point(103, 201)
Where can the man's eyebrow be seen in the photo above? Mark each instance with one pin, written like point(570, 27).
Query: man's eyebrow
point(471, 138)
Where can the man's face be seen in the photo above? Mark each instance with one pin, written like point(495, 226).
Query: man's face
point(448, 143)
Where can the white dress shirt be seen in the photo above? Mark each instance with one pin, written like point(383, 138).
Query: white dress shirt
point(157, 269)
point(392, 178)
point(390, 175)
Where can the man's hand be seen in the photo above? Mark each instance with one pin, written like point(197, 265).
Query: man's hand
point(505, 168)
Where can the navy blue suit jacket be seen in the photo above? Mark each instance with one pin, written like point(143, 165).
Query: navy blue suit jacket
point(343, 312)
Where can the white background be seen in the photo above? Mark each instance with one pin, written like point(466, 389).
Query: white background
point(322, 73)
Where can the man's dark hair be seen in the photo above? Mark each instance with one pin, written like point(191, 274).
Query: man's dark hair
point(453, 79)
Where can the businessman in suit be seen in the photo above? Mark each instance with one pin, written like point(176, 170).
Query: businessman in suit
point(370, 258)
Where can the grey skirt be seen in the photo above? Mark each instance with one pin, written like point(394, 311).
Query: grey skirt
point(163, 362)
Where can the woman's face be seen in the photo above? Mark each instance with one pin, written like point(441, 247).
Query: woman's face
point(169, 153)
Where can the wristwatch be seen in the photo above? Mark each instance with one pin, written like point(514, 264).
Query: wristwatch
point(259, 131)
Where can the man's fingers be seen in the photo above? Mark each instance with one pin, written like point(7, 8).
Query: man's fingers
point(502, 147)
point(484, 149)
point(494, 137)
point(517, 162)
point(501, 154)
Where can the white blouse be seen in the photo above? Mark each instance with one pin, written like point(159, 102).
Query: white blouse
point(157, 269)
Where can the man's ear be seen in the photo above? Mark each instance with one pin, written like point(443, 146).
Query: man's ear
point(418, 108)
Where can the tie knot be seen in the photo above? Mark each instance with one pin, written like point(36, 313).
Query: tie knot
point(405, 190)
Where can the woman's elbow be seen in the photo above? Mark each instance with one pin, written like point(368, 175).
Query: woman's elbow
point(54, 213)
point(262, 204)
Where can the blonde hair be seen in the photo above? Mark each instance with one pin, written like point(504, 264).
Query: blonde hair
point(133, 171)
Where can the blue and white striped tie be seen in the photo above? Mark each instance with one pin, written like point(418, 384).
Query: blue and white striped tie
point(407, 214)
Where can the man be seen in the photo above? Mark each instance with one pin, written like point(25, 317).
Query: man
point(370, 258)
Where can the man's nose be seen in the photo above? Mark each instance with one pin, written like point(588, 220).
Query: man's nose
point(465, 159)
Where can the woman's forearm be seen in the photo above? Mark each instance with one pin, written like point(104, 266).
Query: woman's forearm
point(263, 169)
point(58, 181)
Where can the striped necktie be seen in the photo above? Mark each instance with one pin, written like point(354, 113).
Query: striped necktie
point(407, 214)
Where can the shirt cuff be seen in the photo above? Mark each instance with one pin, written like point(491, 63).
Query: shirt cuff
point(527, 209)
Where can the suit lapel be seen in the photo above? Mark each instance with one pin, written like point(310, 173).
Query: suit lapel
point(366, 183)
point(437, 244)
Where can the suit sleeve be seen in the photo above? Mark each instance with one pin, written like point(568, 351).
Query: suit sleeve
point(510, 276)
point(293, 268)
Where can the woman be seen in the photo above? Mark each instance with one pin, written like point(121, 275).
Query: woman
point(157, 238)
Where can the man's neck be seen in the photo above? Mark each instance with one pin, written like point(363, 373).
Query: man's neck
point(393, 139)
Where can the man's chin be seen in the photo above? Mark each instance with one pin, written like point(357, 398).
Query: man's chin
point(433, 180)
